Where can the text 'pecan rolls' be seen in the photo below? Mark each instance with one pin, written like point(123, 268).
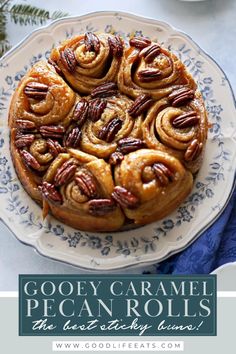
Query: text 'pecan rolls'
point(106, 134)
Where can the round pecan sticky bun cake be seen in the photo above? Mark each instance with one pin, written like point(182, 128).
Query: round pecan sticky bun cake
point(107, 134)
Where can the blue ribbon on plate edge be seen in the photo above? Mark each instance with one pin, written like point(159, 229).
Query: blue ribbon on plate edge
point(215, 247)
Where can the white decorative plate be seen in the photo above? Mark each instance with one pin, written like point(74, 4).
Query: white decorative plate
point(225, 274)
point(156, 241)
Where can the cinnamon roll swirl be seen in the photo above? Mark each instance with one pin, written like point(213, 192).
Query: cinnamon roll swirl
point(78, 189)
point(150, 185)
point(180, 130)
point(42, 97)
point(41, 109)
point(108, 122)
point(89, 60)
point(148, 68)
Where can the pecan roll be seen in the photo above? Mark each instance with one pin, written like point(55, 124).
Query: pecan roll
point(147, 68)
point(151, 185)
point(85, 185)
point(89, 60)
point(100, 137)
point(32, 155)
point(42, 98)
point(41, 109)
point(173, 129)
point(42, 151)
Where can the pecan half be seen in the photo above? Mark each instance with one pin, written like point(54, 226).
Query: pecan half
point(180, 96)
point(56, 67)
point(72, 137)
point(110, 130)
point(149, 75)
point(96, 108)
point(139, 42)
point(49, 192)
point(128, 145)
point(105, 90)
point(141, 104)
point(68, 59)
point(91, 42)
point(116, 46)
point(193, 150)
point(150, 53)
point(86, 183)
point(64, 173)
point(185, 120)
point(80, 112)
point(52, 131)
point(36, 90)
point(54, 147)
point(115, 158)
point(125, 198)
point(25, 124)
point(163, 173)
point(100, 207)
point(29, 160)
point(24, 140)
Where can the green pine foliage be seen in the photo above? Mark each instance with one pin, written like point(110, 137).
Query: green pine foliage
point(27, 14)
point(4, 47)
point(22, 14)
point(4, 44)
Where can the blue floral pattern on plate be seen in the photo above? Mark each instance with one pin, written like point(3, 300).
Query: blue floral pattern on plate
point(150, 243)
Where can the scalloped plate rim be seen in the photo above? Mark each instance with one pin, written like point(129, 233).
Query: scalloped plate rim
point(123, 13)
point(134, 264)
point(169, 251)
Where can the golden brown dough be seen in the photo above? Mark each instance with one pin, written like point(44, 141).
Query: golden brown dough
point(48, 99)
point(41, 99)
point(152, 70)
point(174, 129)
point(157, 179)
point(89, 60)
point(89, 186)
point(96, 141)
